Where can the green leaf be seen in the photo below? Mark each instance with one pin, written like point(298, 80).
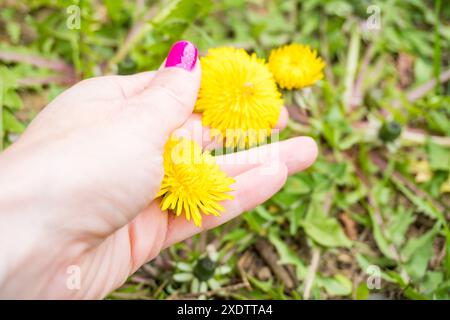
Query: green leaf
point(362, 292)
point(410, 249)
point(263, 213)
point(439, 121)
point(114, 8)
point(432, 281)
point(421, 204)
point(443, 291)
point(183, 266)
point(334, 171)
point(255, 222)
point(324, 230)
point(284, 199)
point(418, 252)
point(398, 225)
point(183, 277)
point(287, 255)
point(14, 31)
point(12, 100)
point(297, 185)
point(295, 217)
point(11, 124)
point(365, 262)
point(235, 235)
point(265, 286)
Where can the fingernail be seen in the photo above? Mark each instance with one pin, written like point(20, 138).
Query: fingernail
point(183, 54)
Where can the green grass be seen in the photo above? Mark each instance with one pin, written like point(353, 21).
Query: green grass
point(366, 208)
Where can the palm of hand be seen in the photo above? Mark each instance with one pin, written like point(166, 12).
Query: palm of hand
point(105, 139)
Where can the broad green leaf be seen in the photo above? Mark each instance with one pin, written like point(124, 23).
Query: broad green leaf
point(183, 277)
point(362, 292)
point(432, 281)
point(421, 204)
point(14, 31)
point(115, 8)
point(255, 222)
point(418, 252)
point(418, 242)
point(265, 286)
point(263, 213)
point(284, 199)
point(442, 291)
point(183, 266)
point(11, 124)
point(326, 232)
point(323, 229)
point(295, 217)
point(398, 225)
point(297, 185)
point(439, 121)
point(12, 100)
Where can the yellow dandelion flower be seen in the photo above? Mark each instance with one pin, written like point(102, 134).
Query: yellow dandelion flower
point(296, 66)
point(193, 182)
point(238, 96)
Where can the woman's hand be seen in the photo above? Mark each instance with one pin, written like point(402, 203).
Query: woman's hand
point(78, 188)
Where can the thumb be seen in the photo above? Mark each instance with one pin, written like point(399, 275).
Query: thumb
point(169, 99)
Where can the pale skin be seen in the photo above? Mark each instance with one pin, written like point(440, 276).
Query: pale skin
point(79, 186)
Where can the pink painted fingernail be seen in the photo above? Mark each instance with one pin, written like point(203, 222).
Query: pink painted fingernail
point(183, 54)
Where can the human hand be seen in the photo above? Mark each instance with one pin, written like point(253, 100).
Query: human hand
point(78, 188)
